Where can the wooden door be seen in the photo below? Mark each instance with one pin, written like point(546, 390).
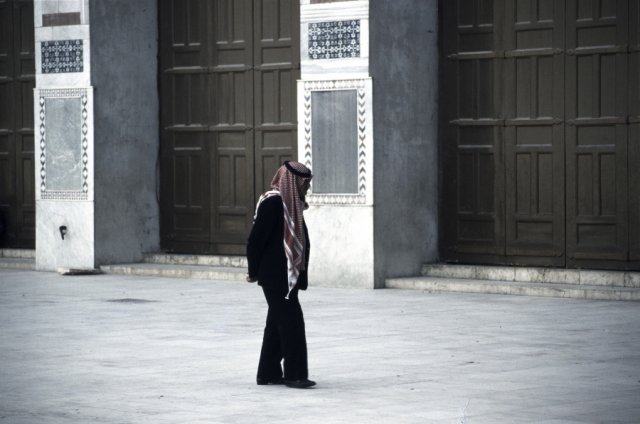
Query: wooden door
point(277, 70)
point(17, 80)
point(473, 131)
point(633, 158)
point(232, 95)
point(597, 131)
point(229, 70)
point(185, 112)
point(534, 135)
point(541, 123)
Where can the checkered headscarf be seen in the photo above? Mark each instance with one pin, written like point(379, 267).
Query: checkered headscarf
point(288, 178)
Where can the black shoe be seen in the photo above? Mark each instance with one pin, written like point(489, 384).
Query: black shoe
point(264, 381)
point(299, 384)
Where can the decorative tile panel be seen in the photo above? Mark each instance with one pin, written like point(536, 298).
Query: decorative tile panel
point(71, 93)
point(62, 56)
point(334, 40)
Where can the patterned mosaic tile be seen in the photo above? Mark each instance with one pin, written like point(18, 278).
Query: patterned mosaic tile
point(62, 56)
point(334, 40)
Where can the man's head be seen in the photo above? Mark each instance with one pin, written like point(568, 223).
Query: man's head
point(300, 174)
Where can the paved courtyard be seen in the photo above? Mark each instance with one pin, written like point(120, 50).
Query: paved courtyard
point(113, 349)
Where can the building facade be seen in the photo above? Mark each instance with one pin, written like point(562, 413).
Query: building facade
point(473, 131)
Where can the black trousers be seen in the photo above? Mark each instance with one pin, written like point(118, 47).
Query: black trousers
point(284, 338)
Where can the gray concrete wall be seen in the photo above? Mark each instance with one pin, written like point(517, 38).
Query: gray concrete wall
point(124, 49)
point(404, 67)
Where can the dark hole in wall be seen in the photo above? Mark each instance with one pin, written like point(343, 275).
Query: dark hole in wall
point(60, 19)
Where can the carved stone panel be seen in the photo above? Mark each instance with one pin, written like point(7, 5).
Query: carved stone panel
point(335, 141)
point(64, 123)
point(64, 151)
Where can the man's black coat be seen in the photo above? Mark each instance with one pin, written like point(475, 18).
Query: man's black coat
point(265, 248)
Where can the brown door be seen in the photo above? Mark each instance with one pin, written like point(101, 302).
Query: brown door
point(228, 115)
point(540, 132)
point(534, 137)
point(17, 80)
point(473, 132)
point(633, 158)
point(596, 133)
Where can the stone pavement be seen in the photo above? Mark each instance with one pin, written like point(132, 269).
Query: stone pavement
point(119, 349)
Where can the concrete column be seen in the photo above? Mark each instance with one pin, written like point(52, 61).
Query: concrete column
point(404, 67)
point(64, 144)
point(124, 65)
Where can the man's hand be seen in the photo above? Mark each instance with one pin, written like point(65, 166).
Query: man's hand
point(251, 279)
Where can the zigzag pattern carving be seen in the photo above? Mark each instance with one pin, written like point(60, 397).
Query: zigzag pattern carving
point(307, 128)
point(362, 136)
point(352, 84)
point(64, 93)
point(334, 84)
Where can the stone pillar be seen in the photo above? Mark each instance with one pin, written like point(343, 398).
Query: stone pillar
point(374, 198)
point(64, 145)
point(95, 164)
point(335, 139)
point(404, 69)
point(124, 35)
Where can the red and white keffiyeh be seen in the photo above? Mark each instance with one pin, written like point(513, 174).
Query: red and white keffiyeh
point(286, 182)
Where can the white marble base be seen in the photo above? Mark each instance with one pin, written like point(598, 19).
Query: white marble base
point(77, 248)
point(341, 246)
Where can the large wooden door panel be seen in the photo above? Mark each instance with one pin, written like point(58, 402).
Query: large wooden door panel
point(242, 111)
point(189, 197)
point(277, 69)
point(185, 136)
point(17, 80)
point(541, 162)
point(633, 159)
point(8, 198)
point(25, 72)
point(232, 186)
point(634, 190)
point(232, 97)
point(596, 132)
point(473, 131)
point(533, 107)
